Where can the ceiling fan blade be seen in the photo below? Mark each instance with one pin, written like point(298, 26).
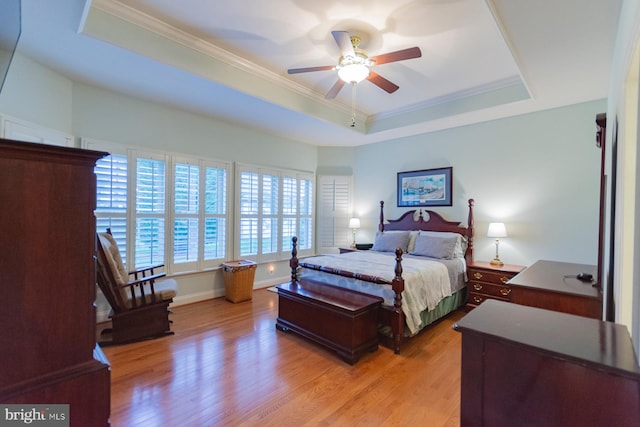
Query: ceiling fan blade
point(344, 41)
point(382, 83)
point(309, 69)
point(333, 92)
point(399, 55)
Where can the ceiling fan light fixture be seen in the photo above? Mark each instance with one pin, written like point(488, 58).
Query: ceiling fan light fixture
point(353, 73)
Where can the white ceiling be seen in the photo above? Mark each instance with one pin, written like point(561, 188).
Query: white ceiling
point(481, 59)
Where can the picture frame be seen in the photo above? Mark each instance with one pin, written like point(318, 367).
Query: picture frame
point(428, 187)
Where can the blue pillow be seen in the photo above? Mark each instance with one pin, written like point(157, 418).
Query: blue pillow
point(389, 241)
point(435, 247)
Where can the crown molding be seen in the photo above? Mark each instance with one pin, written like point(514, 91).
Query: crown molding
point(189, 41)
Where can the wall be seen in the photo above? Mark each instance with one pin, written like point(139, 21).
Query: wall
point(538, 173)
point(38, 95)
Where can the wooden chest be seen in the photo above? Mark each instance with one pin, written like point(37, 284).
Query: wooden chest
point(342, 320)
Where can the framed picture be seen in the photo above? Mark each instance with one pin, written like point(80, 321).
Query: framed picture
point(429, 187)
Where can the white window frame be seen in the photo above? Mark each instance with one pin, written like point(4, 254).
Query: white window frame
point(333, 211)
point(163, 215)
point(131, 215)
point(120, 150)
point(201, 263)
point(284, 247)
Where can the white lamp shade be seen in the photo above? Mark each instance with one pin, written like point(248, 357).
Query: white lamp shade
point(354, 223)
point(353, 73)
point(497, 229)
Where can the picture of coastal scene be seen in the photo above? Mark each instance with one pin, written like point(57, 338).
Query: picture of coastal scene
point(423, 188)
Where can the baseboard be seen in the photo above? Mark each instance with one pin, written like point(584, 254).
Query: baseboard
point(197, 297)
point(103, 315)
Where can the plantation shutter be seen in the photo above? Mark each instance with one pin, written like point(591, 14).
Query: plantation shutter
point(215, 213)
point(111, 198)
point(305, 230)
point(334, 211)
point(249, 206)
point(270, 213)
point(150, 212)
point(186, 210)
point(274, 206)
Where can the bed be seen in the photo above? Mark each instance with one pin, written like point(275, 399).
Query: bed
point(417, 265)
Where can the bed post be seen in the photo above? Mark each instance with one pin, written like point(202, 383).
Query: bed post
point(293, 262)
point(470, 222)
point(381, 224)
point(397, 322)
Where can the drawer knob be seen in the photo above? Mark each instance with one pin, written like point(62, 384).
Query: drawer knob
point(504, 279)
point(477, 286)
point(505, 291)
point(477, 300)
point(477, 275)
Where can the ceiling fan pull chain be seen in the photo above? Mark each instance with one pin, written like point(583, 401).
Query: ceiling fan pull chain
point(353, 104)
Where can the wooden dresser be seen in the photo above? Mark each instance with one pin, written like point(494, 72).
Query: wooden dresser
point(524, 366)
point(487, 281)
point(49, 353)
point(553, 285)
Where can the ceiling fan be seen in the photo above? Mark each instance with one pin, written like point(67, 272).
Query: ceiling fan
point(354, 65)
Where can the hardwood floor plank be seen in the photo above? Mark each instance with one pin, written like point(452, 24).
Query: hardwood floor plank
point(228, 365)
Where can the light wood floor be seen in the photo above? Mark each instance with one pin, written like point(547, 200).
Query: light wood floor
point(228, 365)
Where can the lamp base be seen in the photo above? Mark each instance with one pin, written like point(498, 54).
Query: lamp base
point(496, 261)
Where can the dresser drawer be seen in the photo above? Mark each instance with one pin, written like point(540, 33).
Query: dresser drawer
point(500, 291)
point(497, 277)
point(474, 299)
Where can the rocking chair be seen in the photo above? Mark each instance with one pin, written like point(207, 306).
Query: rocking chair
point(139, 302)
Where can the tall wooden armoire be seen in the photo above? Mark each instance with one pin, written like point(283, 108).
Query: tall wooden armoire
point(49, 353)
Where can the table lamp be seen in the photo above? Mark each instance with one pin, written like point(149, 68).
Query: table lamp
point(354, 224)
point(497, 230)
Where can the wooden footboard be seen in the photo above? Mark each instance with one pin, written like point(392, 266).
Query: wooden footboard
point(392, 317)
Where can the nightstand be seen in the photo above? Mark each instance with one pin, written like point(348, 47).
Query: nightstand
point(345, 250)
point(359, 247)
point(487, 281)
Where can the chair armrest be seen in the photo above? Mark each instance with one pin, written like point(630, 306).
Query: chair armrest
point(143, 269)
point(145, 279)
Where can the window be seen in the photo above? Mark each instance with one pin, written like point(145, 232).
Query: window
point(274, 206)
point(111, 200)
point(215, 212)
point(150, 211)
point(185, 222)
point(200, 211)
point(161, 208)
point(334, 211)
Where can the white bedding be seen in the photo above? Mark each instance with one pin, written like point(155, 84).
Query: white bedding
point(426, 281)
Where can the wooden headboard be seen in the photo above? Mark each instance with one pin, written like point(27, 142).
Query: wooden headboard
point(423, 219)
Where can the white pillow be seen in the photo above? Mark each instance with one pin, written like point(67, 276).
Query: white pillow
point(461, 241)
point(413, 235)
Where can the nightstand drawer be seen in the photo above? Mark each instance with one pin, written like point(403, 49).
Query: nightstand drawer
point(497, 277)
point(475, 299)
point(501, 291)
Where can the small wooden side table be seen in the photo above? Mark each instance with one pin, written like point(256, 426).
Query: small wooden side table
point(488, 281)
